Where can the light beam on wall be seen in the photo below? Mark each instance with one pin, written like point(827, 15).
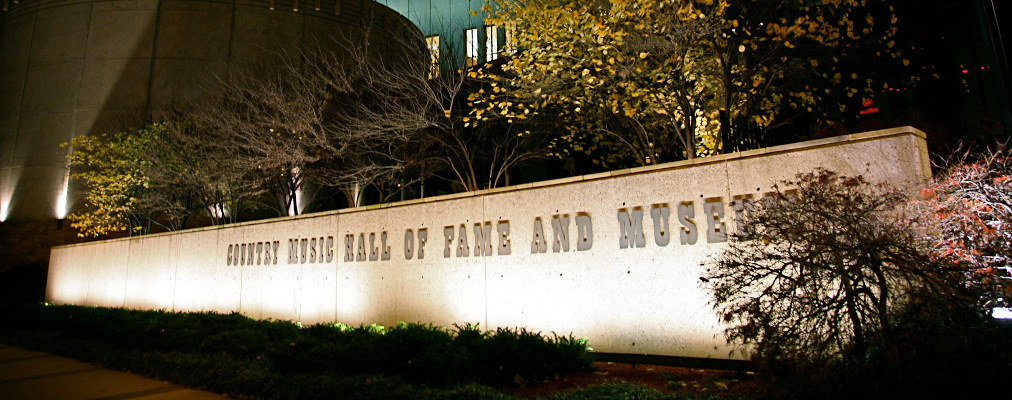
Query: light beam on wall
point(218, 210)
point(61, 202)
point(8, 181)
point(1001, 313)
point(297, 203)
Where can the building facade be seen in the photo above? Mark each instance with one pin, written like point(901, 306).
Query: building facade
point(75, 67)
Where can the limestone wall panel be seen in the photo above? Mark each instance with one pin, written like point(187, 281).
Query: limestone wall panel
point(108, 279)
point(201, 286)
point(151, 275)
point(67, 278)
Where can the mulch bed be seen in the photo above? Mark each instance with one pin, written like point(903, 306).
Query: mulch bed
point(663, 378)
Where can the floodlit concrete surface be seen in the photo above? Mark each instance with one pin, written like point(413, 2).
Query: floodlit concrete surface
point(614, 257)
point(27, 374)
point(79, 67)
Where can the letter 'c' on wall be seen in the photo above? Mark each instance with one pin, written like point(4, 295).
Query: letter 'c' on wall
point(330, 248)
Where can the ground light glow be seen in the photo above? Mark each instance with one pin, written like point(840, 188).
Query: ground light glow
point(8, 181)
point(1001, 313)
point(296, 203)
point(218, 211)
point(61, 202)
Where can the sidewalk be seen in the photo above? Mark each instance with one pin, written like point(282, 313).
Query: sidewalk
point(26, 374)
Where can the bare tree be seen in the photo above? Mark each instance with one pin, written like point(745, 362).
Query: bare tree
point(405, 95)
point(296, 121)
point(254, 118)
point(203, 173)
point(478, 156)
point(361, 110)
point(816, 276)
point(368, 108)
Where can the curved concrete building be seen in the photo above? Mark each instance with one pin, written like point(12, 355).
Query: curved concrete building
point(73, 67)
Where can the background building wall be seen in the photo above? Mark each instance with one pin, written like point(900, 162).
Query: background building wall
point(74, 67)
point(448, 19)
point(644, 298)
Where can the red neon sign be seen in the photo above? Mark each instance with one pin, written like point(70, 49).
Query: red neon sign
point(868, 109)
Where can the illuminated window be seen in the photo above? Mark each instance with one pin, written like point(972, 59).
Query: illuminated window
point(511, 38)
point(432, 42)
point(471, 46)
point(491, 43)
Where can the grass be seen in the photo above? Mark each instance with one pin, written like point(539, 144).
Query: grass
point(236, 355)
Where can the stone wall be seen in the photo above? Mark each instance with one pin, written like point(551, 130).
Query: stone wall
point(615, 257)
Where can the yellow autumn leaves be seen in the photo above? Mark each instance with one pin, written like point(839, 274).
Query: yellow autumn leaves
point(669, 66)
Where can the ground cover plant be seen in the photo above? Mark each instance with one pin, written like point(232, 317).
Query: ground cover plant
point(231, 353)
point(244, 358)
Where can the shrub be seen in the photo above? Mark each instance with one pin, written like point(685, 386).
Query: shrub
point(815, 275)
point(969, 207)
point(840, 296)
point(411, 353)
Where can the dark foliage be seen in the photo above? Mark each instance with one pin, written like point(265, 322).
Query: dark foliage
point(839, 297)
point(278, 359)
point(814, 273)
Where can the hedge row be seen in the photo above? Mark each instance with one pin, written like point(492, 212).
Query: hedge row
point(233, 350)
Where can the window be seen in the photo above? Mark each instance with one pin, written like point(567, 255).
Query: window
point(432, 42)
point(471, 46)
point(491, 42)
point(511, 37)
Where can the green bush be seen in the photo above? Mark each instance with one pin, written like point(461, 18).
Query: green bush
point(242, 355)
point(434, 356)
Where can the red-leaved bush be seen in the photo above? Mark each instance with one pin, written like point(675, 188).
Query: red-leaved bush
point(970, 222)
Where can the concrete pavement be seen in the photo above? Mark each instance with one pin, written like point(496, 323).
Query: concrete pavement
point(27, 374)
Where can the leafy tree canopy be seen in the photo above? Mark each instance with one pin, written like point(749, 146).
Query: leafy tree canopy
point(645, 81)
point(115, 169)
